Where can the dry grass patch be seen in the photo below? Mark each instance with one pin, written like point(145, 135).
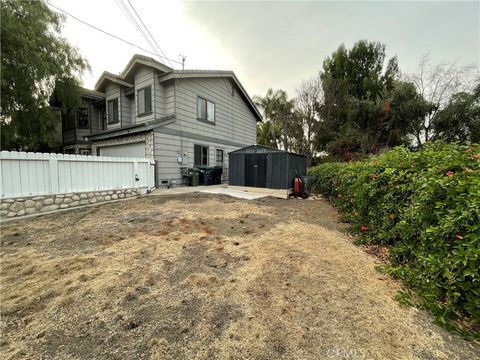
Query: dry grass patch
point(204, 277)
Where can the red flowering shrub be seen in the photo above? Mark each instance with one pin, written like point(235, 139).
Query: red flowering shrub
point(426, 206)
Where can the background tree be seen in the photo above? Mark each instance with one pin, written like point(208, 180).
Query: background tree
point(278, 111)
point(437, 84)
point(460, 119)
point(264, 135)
point(34, 60)
point(356, 84)
point(307, 105)
point(404, 110)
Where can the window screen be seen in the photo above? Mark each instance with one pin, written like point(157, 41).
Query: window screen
point(82, 117)
point(144, 99)
point(219, 156)
point(205, 110)
point(202, 108)
point(113, 111)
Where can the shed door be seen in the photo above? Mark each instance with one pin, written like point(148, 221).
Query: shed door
point(256, 170)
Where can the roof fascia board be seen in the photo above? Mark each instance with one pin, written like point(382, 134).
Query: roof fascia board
point(149, 63)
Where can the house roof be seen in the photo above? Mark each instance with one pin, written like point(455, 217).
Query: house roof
point(109, 77)
point(131, 129)
point(141, 60)
point(126, 77)
point(182, 74)
point(92, 94)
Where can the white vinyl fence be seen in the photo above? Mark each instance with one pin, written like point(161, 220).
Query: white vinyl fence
point(27, 173)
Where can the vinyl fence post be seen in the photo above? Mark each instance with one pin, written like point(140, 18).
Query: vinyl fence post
point(135, 174)
point(53, 165)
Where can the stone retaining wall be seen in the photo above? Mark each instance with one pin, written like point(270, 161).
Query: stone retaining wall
point(14, 207)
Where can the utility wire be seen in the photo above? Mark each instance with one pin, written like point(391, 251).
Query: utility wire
point(109, 34)
point(146, 28)
point(135, 23)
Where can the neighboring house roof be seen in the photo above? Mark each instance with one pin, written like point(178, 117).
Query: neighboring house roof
point(92, 94)
point(182, 74)
point(108, 76)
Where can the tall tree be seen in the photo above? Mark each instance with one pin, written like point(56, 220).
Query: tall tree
point(278, 112)
point(264, 135)
point(404, 109)
point(437, 84)
point(307, 104)
point(460, 119)
point(34, 60)
point(356, 82)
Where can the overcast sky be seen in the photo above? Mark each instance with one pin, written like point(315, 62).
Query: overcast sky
point(272, 44)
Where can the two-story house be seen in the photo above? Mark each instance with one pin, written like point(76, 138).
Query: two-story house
point(179, 118)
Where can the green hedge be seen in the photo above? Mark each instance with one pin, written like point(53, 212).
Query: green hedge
point(426, 206)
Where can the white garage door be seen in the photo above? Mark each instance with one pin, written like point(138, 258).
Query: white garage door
point(136, 150)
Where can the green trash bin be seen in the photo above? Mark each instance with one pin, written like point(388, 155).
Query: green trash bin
point(194, 177)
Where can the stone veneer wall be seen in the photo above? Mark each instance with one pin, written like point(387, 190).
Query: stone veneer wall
point(14, 207)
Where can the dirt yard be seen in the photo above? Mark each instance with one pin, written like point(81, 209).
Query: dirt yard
point(202, 276)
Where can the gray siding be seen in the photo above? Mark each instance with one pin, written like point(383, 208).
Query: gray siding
point(234, 121)
point(169, 147)
point(126, 105)
point(68, 136)
point(169, 97)
point(112, 91)
point(234, 128)
point(96, 119)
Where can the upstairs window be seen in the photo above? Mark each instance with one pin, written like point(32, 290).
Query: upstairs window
point(144, 100)
point(82, 118)
point(113, 111)
point(205, 110)
point(200, 155)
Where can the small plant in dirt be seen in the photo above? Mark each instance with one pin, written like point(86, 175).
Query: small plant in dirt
point(425, 205)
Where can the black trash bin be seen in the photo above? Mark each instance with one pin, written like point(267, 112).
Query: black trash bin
point(306, 186)
point(206, 175)
point(217, 178)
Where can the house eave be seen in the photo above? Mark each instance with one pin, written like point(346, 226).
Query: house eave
point(146, 61)
point(108, 77)
point(131, 129)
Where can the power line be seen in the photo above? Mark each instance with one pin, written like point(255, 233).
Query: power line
point(146, 28)
point(135, 23)
point(109, 34)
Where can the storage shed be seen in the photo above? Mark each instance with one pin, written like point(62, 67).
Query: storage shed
point(266, 167)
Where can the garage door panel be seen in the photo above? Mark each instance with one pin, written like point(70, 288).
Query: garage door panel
point(136, 150)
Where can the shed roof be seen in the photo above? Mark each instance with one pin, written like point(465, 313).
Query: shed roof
point(257, 148)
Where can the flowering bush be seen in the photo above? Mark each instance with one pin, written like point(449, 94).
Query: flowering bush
point(426, 206)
